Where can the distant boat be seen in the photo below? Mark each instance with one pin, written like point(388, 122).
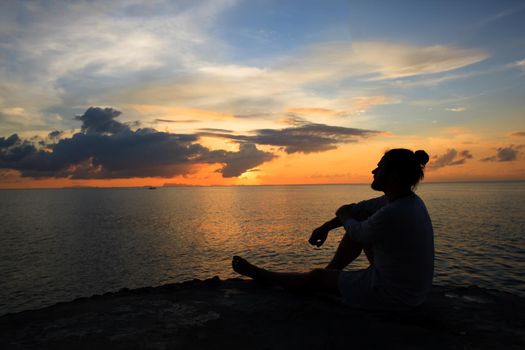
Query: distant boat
point(152, 187)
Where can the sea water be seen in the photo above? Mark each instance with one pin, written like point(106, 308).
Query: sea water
point(60, 244)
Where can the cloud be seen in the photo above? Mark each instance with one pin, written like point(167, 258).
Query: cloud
point(305, 138)
point(450, 158)
point(517, 134)
point(171, 63)
point(237, 163)
point(233, 71)
point(101, 121)
point(294, 120)
point(519, 64)
point(287, 83)
point(504, 154)
point(312, 110)
point(9, 141)
point(497, 16)
point(164, 113)
point(64, 55)
point(456, 109)
point(257, 115)
point(159, 120)
point(55, 135)
point(377, 60)
point(106, 148)
point(362, 103)
point(392, 61)
point(357, 105)
point(215, 130)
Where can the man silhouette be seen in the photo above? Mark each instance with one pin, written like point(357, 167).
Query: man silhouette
point(393, 230)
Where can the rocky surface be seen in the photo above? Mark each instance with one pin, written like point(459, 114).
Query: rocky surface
point(243, 314)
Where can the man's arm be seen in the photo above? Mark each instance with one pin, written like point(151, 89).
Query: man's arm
point(360, 212)
point(350, 211)
point(332, 224)
point(320, 234)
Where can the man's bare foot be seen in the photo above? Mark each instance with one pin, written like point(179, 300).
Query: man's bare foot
point(243, 267)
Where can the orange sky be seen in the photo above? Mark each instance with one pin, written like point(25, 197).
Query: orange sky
point(348, 164)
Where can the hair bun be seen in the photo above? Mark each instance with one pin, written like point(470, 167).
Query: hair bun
point(422, 157)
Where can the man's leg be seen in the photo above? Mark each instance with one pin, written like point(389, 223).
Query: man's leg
point(321, 280)
point(347, 252)
point(369, 255)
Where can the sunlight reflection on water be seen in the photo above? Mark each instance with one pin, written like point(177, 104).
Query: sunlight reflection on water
point(56, 245)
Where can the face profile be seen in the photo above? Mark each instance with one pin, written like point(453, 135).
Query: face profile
point(378, 183)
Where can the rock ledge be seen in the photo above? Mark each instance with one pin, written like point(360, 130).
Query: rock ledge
point(237, 313)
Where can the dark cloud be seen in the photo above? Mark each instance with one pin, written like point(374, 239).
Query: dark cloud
point(134, 124)
point(518, 134)
point(305, 138)
point(450, 158)
point(294, 120)
point(504, 154)
point(9, 141)
point(236, 163)
point(106, 148)
point(53, 135)
point(101, 121)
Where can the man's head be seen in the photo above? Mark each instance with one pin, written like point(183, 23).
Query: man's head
point(399, 168)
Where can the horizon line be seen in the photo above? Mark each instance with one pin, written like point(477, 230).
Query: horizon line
point(167, 185)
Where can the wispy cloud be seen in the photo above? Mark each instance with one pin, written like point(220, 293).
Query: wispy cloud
point(286, 83)
point(215, 130)
point(167, 113)
point(375, 60)
point(391, 61)
point(456, 109)
point(159, 120)
point(518, 64)
point(500, 15)
point(312, 111)
point(357, 105)
point(517, 134)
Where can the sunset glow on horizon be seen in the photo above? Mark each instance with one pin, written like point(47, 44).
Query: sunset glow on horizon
point(229, 92)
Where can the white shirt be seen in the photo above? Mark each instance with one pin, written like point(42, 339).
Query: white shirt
point(401, 238)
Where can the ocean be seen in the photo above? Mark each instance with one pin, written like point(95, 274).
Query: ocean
point(60, 244)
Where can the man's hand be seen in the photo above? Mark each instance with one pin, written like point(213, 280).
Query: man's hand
point(318, 236)
point(344, 213)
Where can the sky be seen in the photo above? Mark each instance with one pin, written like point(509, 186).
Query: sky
point(258, 92)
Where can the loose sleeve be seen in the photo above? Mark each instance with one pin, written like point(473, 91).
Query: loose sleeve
point(367, 208)
point(371, 230)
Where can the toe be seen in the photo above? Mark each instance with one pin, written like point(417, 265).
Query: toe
point(236, 261)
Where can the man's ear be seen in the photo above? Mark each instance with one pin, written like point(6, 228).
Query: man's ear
point(394, 175)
